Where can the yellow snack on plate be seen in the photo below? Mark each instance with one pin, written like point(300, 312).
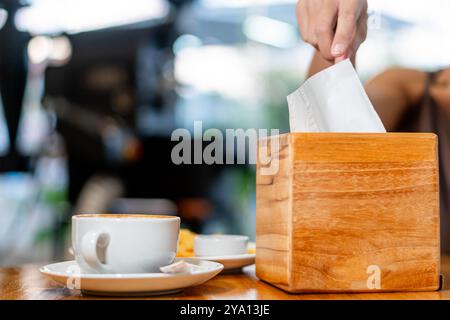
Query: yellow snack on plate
point(186, 244)
point(251, 248)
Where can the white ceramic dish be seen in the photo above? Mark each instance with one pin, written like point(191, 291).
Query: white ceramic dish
point(138, 284)
point(231, 262)
point(226, 244)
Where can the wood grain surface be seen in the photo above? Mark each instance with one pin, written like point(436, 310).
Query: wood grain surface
point(344, 206)
point(26, 283)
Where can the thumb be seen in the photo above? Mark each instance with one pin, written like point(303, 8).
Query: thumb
point(342, 42)
point(344, 35)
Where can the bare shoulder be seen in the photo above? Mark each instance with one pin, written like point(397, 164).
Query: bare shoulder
point(409, 82)
point(394, 91)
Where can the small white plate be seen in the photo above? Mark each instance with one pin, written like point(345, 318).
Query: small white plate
point(231, 262)
point(138, 284)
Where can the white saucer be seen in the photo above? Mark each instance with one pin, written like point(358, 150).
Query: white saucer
point(68, 274)
point(231, 262)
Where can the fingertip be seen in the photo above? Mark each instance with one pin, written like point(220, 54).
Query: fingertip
point(338, 49)
point(340, 59)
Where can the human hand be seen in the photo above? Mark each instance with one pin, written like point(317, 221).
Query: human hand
point(336, 28)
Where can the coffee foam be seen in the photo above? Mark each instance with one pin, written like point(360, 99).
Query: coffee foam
point(122, 216)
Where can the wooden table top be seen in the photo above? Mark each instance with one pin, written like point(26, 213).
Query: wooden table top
point(25, 282)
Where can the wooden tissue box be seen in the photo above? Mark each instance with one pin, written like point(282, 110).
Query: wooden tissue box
point(348, 212)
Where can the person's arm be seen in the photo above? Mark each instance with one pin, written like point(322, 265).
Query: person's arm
point(440, 90)
point(393, 92)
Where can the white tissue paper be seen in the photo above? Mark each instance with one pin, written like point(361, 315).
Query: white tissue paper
point(180, 267)
point(333, 100)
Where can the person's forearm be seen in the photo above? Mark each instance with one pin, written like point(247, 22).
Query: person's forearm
point(318, 64)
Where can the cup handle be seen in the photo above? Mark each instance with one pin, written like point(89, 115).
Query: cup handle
point(91, 242)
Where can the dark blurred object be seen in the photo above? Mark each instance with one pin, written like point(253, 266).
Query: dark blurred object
point(114, 77)
point(112, 74)
point(144, 206)
point(13, 77)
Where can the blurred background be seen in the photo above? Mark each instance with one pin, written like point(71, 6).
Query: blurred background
point(91, 91)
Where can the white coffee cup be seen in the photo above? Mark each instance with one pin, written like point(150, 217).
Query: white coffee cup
point(124, 243)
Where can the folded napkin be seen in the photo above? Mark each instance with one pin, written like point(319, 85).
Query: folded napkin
point(333, 100)
point(180, 267)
